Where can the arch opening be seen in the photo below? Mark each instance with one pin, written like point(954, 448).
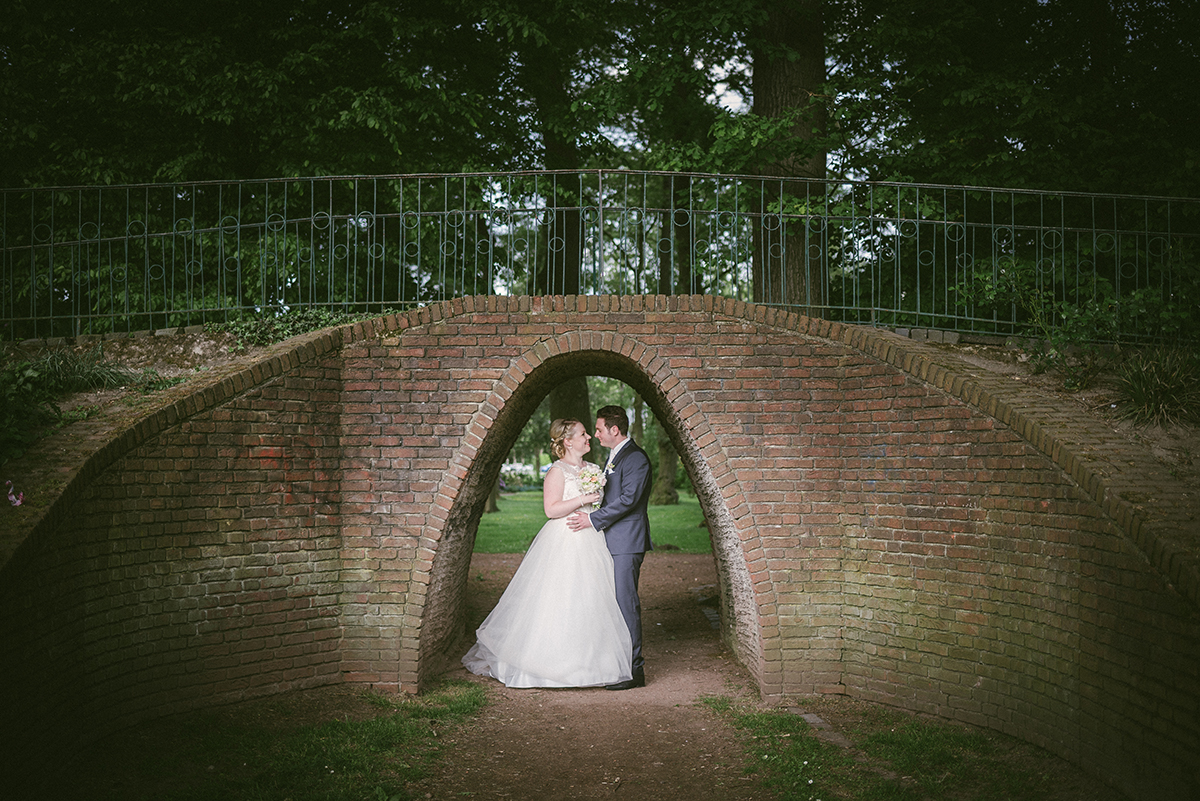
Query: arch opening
point(449, 574)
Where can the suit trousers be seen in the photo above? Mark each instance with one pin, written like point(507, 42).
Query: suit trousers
point(627, 569)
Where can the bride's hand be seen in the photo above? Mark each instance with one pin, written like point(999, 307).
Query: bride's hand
point(589, 499)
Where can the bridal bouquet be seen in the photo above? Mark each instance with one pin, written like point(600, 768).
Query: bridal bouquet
point(591, 479)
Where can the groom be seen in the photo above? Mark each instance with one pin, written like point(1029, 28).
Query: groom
point(623, 518)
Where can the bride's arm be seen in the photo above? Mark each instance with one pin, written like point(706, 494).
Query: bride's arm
point(552, 495)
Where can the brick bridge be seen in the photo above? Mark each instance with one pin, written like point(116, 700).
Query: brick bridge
point(885, 524)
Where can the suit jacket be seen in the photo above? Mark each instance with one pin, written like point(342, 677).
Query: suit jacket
point(622, 515)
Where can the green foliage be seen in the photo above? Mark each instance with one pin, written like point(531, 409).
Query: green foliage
point(1008, 94)
point(936, 760)
point(792, 763)
point(341, 760)
point(267, 330)
point(1067, 325)
point(1046, 95)
point(30, 390)
point(1159, 387)
point(521, 516)
point(27, 406)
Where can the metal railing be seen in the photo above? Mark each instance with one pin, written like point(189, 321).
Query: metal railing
point(92, 260)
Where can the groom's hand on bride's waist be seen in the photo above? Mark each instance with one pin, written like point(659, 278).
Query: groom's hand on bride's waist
point(579, 521)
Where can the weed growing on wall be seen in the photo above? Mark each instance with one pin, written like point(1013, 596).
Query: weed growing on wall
point(1160, 387)
point(269, 329)
point(31, 388)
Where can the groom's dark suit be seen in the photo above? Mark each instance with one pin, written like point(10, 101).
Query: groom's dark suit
point(625, 521)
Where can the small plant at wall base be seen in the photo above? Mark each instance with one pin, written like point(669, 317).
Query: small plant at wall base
point(908, 758)
point(1159, 387)
point(218, 756)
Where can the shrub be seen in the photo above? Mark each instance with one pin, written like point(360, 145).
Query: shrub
point(30, 389)
point(261, 331)
point(1160, 387)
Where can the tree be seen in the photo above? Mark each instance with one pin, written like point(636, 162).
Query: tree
point(109, 92)
point(1089, 95)
point(788, 48)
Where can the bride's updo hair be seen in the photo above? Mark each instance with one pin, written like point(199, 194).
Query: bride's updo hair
point(560, 429)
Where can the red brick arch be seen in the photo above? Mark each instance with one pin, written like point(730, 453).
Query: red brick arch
point(888, 523)
point(624, 358)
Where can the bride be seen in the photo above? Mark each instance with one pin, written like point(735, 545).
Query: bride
point(557, 624)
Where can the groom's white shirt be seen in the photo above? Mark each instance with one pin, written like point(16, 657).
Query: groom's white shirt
point(612, 455)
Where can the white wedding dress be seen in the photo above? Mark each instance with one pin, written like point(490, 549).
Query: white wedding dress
point(557, 624)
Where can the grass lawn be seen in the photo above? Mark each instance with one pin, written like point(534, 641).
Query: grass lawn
point(521, 517)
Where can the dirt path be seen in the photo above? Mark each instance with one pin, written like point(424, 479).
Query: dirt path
point(654, 742)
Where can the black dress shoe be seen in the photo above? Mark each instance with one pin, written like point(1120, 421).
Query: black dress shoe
point(638, 680)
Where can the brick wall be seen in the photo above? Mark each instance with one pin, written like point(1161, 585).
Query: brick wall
point(885, 525)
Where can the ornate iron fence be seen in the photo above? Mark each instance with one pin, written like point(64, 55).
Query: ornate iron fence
point(92, 260)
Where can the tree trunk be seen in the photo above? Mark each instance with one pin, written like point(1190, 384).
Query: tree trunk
point(637, 430)
point(675, 255)
point(493, 500)
point(788, 52)
point(570, 400)
point(549, 82)
point(663, 493)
